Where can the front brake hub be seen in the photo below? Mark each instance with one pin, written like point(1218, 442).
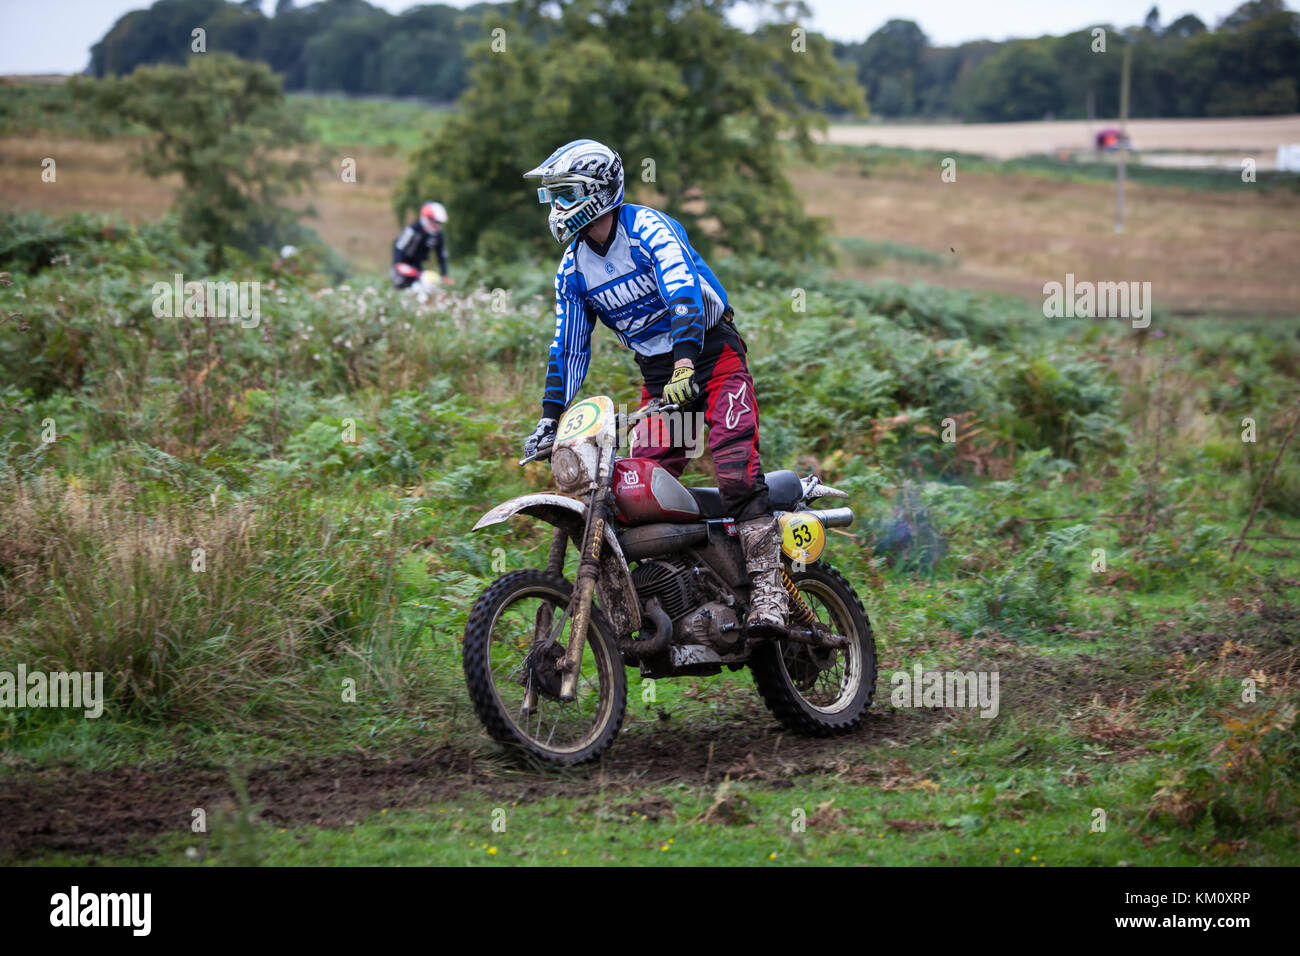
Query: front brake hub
point(542, 670)
point(801, 666)
point(823, 658)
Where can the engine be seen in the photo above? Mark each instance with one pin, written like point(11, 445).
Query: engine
point(700, 613)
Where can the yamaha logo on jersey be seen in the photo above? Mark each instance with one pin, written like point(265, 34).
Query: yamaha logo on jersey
point(609, 268)
point(681, 310)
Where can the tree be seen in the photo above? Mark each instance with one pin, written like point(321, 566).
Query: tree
point(696, 107)
point(1188, 25)
point(422, 63)
point(221, 125)
point(1019, 82)
point(346, 57)
point(1251, 11)
point(1256, 64)
point(161, 34)
point(943, 72)
point(1085, 75)
point(888, 65)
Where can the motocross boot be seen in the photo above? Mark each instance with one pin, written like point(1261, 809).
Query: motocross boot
point(761, 540)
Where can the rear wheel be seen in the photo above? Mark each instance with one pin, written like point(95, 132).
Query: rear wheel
point(517, 632)
point(820, 691)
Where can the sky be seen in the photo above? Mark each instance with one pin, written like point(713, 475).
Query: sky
point(55, 36)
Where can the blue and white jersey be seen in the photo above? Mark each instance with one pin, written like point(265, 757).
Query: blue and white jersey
point(648, 284)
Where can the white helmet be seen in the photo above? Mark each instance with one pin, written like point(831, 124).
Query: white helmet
point(431, 214)
point(582, 181)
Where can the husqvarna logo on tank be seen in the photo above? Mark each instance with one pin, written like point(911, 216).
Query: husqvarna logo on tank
point(630, 477)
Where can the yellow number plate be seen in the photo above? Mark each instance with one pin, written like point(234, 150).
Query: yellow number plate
point(802, 537)
point(585, 418)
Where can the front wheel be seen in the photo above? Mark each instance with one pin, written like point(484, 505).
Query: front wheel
point(813, 690)
point(516, 634)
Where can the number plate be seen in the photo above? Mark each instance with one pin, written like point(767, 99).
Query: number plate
point(585, 419)
point(802, 537)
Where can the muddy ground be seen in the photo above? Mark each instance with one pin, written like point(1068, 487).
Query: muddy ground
point(70, 811)
point(74, 812)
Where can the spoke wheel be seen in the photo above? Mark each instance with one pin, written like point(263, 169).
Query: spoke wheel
point(813, 690)
point(516, 636)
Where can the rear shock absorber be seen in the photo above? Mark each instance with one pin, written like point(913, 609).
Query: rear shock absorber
point(799, 609)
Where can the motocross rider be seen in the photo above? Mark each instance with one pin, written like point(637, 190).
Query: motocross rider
point(414, 243)
point(633, 268)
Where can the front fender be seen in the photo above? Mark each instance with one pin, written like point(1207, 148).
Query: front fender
point(538, 505)
point(617, 595)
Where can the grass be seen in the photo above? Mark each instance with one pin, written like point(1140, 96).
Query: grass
point(925, 823)
point(1021, 791)
point(1207, 242)
point(387, 126)
point(865, 253)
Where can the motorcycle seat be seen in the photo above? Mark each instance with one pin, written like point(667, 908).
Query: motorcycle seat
point(783, 492)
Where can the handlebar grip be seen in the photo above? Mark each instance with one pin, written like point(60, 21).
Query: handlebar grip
point(542, 452)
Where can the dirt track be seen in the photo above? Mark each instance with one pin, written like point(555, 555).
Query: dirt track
point(105, 813)
point(76, 812)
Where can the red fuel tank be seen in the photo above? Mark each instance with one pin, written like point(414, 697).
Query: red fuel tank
point(644, 492)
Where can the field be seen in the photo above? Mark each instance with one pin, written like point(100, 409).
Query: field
point(1253, 136)
point(1228, 250)
point(356, 218)
point(999, 227)
point(1155, 693)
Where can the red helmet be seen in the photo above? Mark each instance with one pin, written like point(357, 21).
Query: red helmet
point(432, 214)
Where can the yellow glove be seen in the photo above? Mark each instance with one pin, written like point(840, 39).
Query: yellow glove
point(681, 388)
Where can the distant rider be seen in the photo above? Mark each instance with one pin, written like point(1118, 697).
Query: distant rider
point(414, 244)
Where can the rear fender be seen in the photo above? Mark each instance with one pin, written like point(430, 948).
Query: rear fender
point(617, 595)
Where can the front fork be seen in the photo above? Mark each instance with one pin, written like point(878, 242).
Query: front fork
point(546, 613)
point(584, 586)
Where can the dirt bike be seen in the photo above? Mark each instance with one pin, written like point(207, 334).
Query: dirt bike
point(423, 287)
point(660, 585)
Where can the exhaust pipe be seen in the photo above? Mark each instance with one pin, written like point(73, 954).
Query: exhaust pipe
point(648, 647)
point(834, 517)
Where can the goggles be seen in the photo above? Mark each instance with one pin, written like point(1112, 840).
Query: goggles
point(563, 195)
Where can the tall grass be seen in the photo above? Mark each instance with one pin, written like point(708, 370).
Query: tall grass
point(228, 613)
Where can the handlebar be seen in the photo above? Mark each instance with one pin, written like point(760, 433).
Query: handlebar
point(655, 407)
point(543, 452)
point(621, 422)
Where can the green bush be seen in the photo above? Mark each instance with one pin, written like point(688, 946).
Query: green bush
point(1029, 596)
